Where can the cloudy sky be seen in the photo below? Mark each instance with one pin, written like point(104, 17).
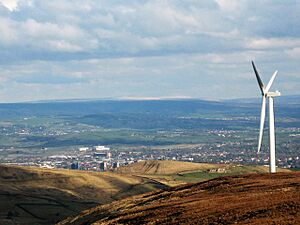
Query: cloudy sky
point(63, 49)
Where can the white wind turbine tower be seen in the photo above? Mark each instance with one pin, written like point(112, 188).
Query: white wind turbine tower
point(270, 95)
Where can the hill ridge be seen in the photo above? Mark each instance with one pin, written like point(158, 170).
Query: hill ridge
point(247, 199)
point(31, 195)
point(164, 167)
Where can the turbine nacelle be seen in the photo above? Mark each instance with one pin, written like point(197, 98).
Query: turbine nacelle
point(273, 94)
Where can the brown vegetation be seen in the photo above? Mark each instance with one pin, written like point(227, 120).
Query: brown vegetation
point(240, 199)
point(31, 195)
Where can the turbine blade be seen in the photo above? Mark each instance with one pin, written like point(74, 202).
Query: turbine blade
point(271, 81)
point(260, 83)
point(262, 122)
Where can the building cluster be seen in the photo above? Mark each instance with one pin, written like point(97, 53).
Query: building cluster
point(96, 158)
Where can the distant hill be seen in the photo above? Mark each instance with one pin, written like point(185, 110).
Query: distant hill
point(153, 114)
point(284, 100)
point(240, 199)
point(43, 196)
point(92, 107)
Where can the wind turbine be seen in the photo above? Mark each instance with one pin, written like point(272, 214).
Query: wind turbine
point(270, 95)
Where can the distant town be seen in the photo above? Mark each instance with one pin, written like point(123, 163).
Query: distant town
point(103, 158)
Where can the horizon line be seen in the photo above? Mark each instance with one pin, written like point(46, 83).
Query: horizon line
point(133, 98)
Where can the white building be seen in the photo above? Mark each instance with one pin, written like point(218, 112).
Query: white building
point(83, 149)
point(101, 148)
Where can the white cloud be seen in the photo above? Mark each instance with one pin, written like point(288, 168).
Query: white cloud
point(11, 5)
point(45, 36)
point(232, 6)
point(8, 33)
point(272, 43)
point(294, 52)
point(63, 46)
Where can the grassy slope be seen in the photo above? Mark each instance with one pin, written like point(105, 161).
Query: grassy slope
point(174, 173)
point(238, 199)
point(42, 196)
point(159, 167)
